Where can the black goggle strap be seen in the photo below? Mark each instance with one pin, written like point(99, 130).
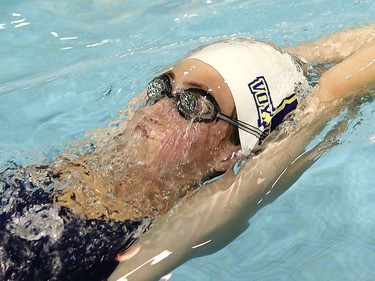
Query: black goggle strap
point(244, 126)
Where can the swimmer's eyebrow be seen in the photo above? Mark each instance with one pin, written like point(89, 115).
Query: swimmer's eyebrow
point(193, 84)
point(188, 84)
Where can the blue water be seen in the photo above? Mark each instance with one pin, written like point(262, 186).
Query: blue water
point(68, 67)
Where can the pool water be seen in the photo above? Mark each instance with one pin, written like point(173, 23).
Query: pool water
point(69, 67)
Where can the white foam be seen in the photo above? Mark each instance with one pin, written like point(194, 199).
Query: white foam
point(36, 222)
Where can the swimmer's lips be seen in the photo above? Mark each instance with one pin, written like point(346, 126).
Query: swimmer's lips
point(145, 131)
point(142, 130)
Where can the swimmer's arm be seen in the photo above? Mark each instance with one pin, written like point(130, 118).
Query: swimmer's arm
point(336, 47)
point(354, 74)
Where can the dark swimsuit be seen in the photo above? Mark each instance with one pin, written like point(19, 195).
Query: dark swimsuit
point(41, 242)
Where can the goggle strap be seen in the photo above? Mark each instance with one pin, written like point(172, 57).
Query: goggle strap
point(243, 126)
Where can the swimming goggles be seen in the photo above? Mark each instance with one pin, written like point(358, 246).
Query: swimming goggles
point(195, 104)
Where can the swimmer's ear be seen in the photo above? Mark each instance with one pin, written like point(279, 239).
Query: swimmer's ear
point(228, 159)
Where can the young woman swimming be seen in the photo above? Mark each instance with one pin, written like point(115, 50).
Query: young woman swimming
point(257, 70)
point(187, 133)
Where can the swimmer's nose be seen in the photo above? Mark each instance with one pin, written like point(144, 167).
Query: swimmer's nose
point(161, 110)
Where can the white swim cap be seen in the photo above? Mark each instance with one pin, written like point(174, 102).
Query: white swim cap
point(262, 80)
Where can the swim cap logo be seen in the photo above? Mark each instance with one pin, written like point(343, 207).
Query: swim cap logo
point(262, 97)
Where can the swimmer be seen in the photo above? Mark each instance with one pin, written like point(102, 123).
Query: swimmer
point(196, 124)
point(252, 86)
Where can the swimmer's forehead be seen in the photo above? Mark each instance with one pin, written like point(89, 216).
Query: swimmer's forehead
point(193, 73)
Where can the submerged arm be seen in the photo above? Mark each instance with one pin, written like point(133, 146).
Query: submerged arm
point(336, 47)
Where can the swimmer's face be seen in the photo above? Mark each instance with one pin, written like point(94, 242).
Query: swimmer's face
point(170, 140)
